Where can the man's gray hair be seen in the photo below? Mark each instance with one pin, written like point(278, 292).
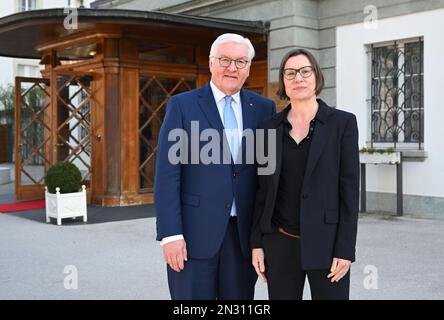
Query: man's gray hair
point(232, 37)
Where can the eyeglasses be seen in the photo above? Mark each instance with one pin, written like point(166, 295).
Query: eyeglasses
point(226, 62)
point(291, 73)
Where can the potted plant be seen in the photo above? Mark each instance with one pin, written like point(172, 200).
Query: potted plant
point(62, 192)
point(375, 156)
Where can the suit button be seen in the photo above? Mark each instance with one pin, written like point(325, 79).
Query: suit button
point(234, 174)
point(305, 196)
point(228, 206)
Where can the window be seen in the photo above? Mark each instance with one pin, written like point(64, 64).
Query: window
point(21, 70)
point(25, 5)
point(397, 100)
point(24, 70)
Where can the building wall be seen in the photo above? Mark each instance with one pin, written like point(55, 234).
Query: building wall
point(420, 178)
point(332, 30)
point(137, 4)
point(309, 24)
point(6, 71)
point(318, 26)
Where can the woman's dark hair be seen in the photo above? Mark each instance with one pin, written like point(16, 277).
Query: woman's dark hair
point(316, 69)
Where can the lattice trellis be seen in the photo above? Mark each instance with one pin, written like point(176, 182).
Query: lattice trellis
point(153, 97)
point(74, 130)
point(33, 141)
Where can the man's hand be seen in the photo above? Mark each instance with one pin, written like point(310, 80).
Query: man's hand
point(175, 253)
point(339, 268)
point(258, 263)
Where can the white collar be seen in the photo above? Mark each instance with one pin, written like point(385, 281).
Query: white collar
point(219, 95)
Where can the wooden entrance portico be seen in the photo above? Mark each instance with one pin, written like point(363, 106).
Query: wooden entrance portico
point(103, 92)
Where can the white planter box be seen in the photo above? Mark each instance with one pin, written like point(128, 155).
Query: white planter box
point(66, 205)
point(389, 158)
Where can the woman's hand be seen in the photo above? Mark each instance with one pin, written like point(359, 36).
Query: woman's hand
point(339, 269)
point(258, 263)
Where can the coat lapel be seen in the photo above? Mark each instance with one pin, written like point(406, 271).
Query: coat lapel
point(277, 125)
point(247, 123)
point(209, 108)
point(247, 110)
point(279, 146)
point(320, 137)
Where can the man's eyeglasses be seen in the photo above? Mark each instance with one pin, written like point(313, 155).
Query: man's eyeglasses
point(291, 73)
point(226, 62)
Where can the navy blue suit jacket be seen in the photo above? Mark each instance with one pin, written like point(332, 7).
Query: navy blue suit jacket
point(195, 199)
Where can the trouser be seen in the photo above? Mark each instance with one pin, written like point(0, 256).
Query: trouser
point(226, 276)
point(285, 277)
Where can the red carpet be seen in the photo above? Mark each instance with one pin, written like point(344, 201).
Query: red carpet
point(22, 205)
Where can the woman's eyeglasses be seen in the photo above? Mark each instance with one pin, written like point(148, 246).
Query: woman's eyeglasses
point(291, 73)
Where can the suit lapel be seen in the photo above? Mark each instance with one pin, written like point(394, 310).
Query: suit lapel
point(247, 123)
point(279, 146)
point(247, 110)
point(208, 106)
point(320, 137)
point(277, 125)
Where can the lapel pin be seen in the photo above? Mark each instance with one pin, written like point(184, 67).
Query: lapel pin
point(251, 104)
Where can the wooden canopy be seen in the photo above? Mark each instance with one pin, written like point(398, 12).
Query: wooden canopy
point(22, 34)
point(102, 95)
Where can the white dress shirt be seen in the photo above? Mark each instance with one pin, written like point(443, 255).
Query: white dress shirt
point(236, 104)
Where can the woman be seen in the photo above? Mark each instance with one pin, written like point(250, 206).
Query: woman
point(306, 212)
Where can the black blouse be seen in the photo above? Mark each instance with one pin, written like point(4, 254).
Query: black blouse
point(294, 160)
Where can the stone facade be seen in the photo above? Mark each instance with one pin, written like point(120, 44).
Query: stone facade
point(317, 25)
point(309, 24)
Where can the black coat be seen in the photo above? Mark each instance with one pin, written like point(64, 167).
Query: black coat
point(330, 190)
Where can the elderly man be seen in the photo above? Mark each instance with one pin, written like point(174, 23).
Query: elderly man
point(203, 208)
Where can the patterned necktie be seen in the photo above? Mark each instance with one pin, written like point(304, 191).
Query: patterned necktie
point(231, 127)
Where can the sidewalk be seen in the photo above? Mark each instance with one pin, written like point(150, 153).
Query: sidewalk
point(116, 257)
